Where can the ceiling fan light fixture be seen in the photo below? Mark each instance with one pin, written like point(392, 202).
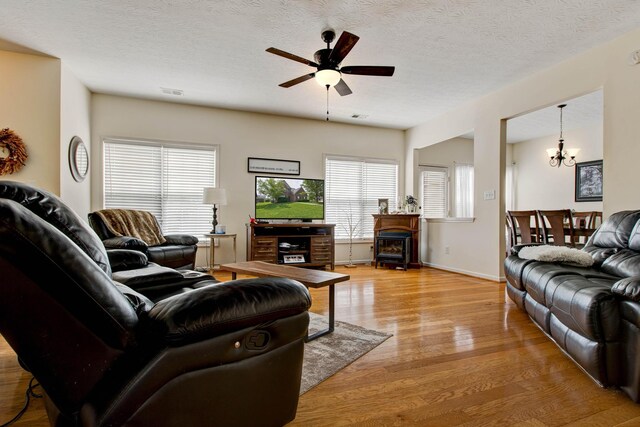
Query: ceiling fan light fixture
point(328, 77)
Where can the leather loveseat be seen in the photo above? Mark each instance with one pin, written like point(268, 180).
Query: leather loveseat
point(592, 314)
point(178, 251)
point(226, 354)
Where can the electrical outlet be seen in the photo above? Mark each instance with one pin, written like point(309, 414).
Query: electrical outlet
point(446, 250)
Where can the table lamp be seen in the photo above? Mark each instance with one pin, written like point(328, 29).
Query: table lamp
point(214, 196)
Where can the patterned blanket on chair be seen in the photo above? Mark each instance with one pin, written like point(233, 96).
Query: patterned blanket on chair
point(128, 222)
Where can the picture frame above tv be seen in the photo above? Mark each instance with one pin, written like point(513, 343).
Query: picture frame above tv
point(273, 166)
point(278, 198)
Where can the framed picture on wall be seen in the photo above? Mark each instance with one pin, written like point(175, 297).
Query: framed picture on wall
point(273, 166)
point(589, 181)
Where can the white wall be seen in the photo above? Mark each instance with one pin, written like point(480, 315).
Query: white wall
point(445, 153)
point(239, 135)
point(479, 248)
point(75, 104)
point(539, 186)
point(30, 93)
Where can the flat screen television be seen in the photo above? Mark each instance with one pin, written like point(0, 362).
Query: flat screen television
point(289, 198)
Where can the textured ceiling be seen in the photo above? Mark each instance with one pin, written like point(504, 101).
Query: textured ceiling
point(445, 52)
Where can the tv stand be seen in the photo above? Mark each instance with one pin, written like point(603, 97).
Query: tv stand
point(295, 244)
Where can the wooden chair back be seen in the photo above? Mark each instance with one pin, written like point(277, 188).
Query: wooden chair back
point(596, 220)
point(557, 225)
point(522, 223)
point(583, 219)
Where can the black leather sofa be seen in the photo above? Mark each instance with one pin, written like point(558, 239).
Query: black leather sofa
point(179, 250)
point(226, 354)
point(592, 314)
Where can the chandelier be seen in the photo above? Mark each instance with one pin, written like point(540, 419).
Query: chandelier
point(559, 155)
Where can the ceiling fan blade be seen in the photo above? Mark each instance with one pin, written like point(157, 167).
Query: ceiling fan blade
point(297, 80)
point(343, 46)
point(368, 70)
point(291, 56)
point(342, 88)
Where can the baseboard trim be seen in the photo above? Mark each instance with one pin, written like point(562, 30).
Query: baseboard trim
point(465, 272)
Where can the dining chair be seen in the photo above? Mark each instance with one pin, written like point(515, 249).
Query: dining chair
point(556, 226)
point(525, 226)
point(596, 220)
point(583, 219)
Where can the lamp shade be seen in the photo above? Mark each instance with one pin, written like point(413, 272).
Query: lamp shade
point(327, 77)
point(214, 196)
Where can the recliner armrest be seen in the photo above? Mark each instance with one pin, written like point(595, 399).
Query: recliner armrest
point(180, 239)
point(125, 242)
point(126, 259)
point(629, 287)
point(237, 304)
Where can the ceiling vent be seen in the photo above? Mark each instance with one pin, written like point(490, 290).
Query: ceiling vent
point(174, 92)
point(359, 116)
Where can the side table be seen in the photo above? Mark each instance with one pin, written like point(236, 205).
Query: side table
point(212, 254)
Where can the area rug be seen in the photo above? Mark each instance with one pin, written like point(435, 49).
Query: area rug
point(328, 354)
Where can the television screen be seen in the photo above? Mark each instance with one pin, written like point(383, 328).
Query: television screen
point(286, 198)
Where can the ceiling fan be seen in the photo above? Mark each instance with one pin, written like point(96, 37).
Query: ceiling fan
point(327, 63)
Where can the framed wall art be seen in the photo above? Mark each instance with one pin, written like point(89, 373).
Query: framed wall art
point(273, 166)
point(589, 181)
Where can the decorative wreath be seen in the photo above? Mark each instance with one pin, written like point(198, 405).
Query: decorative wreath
point(17, 152)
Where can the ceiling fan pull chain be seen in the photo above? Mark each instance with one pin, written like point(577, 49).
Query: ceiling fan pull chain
point(328, 102)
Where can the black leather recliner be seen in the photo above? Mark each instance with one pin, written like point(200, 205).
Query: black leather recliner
point(179, 250)
point(225, 354)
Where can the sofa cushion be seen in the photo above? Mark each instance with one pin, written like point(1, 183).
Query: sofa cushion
point(536, 276)
point(616, 230)
point(586, 306)
point(624, 263)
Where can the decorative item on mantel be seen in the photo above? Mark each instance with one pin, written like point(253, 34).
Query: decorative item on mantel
point(410, 204)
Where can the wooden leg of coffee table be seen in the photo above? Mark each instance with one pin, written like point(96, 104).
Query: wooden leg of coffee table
point(332, 308)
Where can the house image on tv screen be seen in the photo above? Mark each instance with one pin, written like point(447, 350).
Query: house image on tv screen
point(278, 198)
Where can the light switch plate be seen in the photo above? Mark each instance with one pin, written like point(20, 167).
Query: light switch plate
point(490, 195)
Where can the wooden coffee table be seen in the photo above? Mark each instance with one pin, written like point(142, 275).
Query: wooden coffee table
point(308, 277)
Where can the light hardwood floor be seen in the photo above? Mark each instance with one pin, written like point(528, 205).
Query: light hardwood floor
point(461, 355)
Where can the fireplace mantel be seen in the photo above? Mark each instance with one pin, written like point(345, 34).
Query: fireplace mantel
point(400, 222)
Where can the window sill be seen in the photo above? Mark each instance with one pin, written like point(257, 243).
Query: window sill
point(443, 220)
point(355, 241)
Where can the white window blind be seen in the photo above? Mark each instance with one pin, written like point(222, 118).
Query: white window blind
point(464, 190)
point(352, 189)
point(434, 181)
point(166, 179)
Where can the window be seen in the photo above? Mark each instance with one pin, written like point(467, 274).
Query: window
point(352, 189)
point(435, 182)
point(165, 179)
point(464, 190)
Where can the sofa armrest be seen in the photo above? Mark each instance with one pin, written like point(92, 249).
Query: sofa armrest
point(213, 310)
point(126, 259)
point(125, 242)
point(629, 288)
point(180, 239)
